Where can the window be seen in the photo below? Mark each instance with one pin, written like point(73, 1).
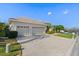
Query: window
point(26, 26)
point(18, 26)
point(22, 26)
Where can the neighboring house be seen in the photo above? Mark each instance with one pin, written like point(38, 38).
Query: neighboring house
point(62, 31)
point(27, 27)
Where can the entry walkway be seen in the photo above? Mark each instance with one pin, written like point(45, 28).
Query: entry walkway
point(48, 46)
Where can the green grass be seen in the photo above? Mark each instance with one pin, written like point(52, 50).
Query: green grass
point(67, 35)
point(2, 48)
point(15, 49)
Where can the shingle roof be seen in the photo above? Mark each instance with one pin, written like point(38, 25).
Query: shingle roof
point(26, 20)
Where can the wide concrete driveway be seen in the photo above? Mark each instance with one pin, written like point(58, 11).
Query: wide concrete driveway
point(48, 46)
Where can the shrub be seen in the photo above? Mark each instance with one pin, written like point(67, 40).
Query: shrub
point(50, 32)
point(12, 34)
point(6, 32)
point(2, 33)
point(15, 47)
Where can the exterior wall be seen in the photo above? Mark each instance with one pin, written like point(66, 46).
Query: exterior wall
point(12, 27)
point(39, 29)
point(22, 31)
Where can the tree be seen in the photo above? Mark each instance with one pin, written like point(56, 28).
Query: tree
point(49, 25)
point(73, 29)
point(57, 28)
point(6, 30)
point(60, 27)
point(2, 26)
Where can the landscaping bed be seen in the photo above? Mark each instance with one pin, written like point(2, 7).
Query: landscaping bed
point(15, 48)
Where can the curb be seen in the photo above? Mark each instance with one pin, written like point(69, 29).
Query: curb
point(71, 48)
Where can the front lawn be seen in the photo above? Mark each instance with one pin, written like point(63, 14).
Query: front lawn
point(15, 48)
point(65, 35)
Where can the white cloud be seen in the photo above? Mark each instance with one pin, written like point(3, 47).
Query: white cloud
point(66, 11)
point(50, 14)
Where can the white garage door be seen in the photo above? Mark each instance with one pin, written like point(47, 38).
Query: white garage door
point(37, 30)
point(23, 30)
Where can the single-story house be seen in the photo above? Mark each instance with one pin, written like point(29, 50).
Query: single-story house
point(27, 27)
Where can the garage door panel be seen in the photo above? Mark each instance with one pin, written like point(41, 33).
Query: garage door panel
point(37, 30)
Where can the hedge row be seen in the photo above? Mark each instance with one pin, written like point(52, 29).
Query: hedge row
point(12, 34)
point(9, 34)
point(2, 33)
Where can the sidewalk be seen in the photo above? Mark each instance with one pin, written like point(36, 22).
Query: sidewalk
point(50, 46)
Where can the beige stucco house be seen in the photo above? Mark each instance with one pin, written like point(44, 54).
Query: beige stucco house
point(27, 27)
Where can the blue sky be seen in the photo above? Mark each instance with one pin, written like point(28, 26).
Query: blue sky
point(65, 14)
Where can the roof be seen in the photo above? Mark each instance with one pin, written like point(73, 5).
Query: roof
point(26, 20)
